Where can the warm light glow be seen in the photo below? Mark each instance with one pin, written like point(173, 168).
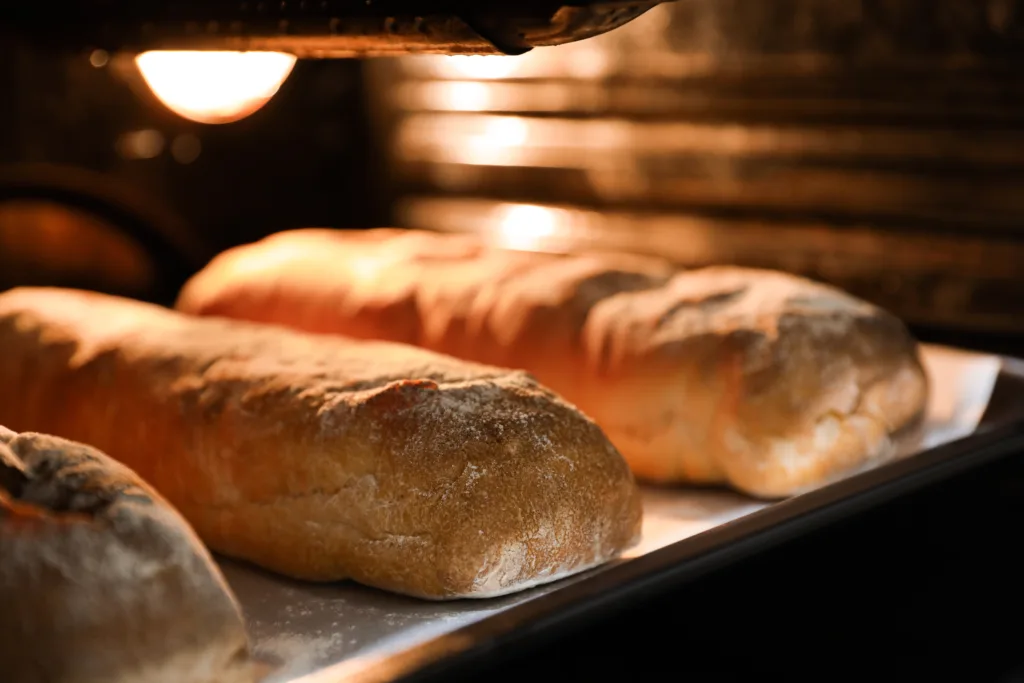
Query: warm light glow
point(497, 142)
point(482, 66)
point(464, 96)
point(214, 87)
point(505, 131)
point(523, 226)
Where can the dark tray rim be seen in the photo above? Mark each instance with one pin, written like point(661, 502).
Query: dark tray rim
point(1000, 434)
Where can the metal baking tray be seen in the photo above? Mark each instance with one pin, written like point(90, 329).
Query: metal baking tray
point(316, 633)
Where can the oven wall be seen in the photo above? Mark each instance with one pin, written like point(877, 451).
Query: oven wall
point(875, 145)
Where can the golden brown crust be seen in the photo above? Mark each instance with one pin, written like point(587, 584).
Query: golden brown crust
point(765, 381)
point(325, 458)
point(101, 580)
point(786, 384)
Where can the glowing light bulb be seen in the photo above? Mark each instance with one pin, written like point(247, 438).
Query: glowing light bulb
point(214, 87)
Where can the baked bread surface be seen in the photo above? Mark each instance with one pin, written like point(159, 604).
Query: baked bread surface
point(101, 581)
point(325, 458)
point(764, 381)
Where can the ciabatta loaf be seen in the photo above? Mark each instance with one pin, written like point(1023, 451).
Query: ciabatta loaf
point(768, 382)
point(101, 581)
point(325, 458)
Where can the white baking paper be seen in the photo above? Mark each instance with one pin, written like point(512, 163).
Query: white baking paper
point(326, 633)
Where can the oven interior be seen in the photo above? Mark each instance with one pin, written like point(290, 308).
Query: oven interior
point(874, 145)
point(877, 145)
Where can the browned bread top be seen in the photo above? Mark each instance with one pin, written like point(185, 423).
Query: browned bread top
point(762, 380)
point(325, 458)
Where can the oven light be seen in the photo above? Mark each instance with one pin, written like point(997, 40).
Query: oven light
point(214, 87)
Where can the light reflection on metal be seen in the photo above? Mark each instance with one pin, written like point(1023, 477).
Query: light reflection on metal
point(524, 226)
point(696, 241)
point(479, 66)
point(462, 96)
point(495, 140)
point(186, 148)
point(140, 144)
point(594, 58)
point(99, 58)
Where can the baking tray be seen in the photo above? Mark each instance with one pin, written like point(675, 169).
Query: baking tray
point(317, 633)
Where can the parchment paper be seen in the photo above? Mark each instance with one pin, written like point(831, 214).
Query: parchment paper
point(320, 633)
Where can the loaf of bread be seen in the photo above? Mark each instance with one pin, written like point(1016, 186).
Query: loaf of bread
point(325, 458)
point(767, 382)
point(101, 581)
